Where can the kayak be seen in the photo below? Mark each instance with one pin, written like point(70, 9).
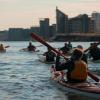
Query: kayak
point(43, 59)
point(26, 50)
point(2, 51)
point(86, 89)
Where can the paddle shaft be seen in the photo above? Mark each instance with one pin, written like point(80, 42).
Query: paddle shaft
point(36, 37)
point(93, 76)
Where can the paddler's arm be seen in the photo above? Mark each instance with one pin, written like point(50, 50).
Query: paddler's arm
point(68, 65)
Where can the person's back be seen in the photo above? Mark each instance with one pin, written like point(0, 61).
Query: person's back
point(31, 47)
point(65, 49)
point(94, 52)
point(80, 71)
point(77, 69)
point(50, 56)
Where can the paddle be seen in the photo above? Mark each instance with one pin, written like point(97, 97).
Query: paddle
point(7, 46)
point(36, 37)
point(93, 76)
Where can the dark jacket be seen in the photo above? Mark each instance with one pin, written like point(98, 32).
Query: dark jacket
point(50, 56)
point(95, 53)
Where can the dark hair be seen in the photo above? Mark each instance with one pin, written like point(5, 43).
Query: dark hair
point(77, 53)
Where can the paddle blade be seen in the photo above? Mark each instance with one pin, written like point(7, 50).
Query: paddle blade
point(93, 76)
point(7, 46)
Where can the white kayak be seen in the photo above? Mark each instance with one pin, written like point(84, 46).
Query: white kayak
point(87, 88)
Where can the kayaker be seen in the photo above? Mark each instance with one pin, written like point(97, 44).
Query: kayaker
point(31, 47)
point(84, 56)
point(65, 49)
point(77, 68)
point(2, 47)
point(50, 55)
point(94, 52)
point(69, 45)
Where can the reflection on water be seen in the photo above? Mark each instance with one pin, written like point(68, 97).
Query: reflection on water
point(23, 77)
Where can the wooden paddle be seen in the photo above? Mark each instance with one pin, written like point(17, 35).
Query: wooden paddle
point(38, 38)
point(7, 46)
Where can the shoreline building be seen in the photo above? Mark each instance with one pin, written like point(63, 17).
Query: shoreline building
point(96, 19)
point(61, 22)
point(44, 28)
point(78, 24)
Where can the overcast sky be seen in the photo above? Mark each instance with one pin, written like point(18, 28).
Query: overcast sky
point(27, 13)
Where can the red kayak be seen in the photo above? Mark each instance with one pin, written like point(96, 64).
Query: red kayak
point(87, 88)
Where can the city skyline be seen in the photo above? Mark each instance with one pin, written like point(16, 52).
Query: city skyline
point(24, 14)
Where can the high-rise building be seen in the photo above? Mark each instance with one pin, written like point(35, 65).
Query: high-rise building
point(44, 27)
point(96, 18)
point(91, 25)
point(61, 22)
point(79, 24)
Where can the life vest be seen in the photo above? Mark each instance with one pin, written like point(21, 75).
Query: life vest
point(80, 71)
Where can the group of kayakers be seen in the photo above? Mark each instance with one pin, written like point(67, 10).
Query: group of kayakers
point(77, 65)
point(67, 47)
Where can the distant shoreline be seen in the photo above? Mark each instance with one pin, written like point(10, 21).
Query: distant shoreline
point(77, 37)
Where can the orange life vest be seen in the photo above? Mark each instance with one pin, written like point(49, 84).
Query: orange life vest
point(80, 71)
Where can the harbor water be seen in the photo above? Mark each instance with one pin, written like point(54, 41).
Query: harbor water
point(24, 77)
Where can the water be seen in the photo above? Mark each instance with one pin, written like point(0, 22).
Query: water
point(23, 77)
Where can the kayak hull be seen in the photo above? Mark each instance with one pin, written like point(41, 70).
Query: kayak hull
point(85, 88)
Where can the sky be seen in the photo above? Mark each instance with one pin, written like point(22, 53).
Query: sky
point(27, 13)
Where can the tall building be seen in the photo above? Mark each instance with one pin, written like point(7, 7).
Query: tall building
point(52, 30)
point(85, 23)
point(79, 24)
point(61, 22)
point(96, 18)
point(44, 27)
point(91, 25)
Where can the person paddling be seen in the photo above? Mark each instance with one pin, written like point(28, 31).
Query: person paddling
point(65, 49)
point(69, 45)
point(2, 49)
point(31, 47)
point(84, 56)
point(77, 68)
point(50, 55)
point(94, 52)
